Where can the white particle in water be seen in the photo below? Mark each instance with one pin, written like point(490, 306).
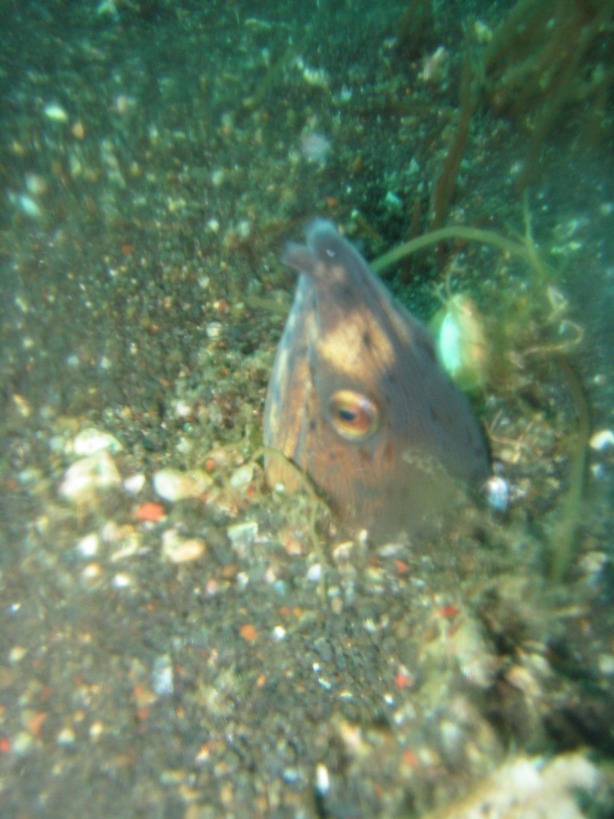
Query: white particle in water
point(55, 112)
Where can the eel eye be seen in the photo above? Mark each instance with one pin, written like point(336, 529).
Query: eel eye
point(354, 416)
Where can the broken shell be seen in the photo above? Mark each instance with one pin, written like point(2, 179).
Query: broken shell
point(461, 343)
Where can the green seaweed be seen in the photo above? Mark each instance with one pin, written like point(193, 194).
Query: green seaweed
point(544, 57)
point(524, 251)
point(469, 98)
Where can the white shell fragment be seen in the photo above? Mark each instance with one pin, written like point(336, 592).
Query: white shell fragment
point(89, 476)
point(461, 343)
point(91, 440)
point(134, 483)
point(174, 485)
point(179, 549)
point(497, 491)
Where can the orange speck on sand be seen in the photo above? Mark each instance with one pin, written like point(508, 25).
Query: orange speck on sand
point(249, 632)
point(449, 611)
point(402, 681)
point(402, 566)
point(35, 723)
point(5, 745)
point(411, 759)
point(287, 611)
point(149, 513)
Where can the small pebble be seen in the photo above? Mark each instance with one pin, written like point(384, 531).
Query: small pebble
point(22, 405)
point(66, 737)
point(174, 485)
point(17, 653)
point(162, 676)
point(314, 573)
point(322, 783)
point(122, 581)
point(22, 742)
point(134, 483)
point(128, 539)
point(178, 549)
point(92, 572)
point(149, 513)
point(96, 730)
point(91, 441)
point(88, 546)
point(248, 632)
point(213, 329)
point(88, 476)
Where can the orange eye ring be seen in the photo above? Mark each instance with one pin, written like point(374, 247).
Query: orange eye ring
point(354, 416)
